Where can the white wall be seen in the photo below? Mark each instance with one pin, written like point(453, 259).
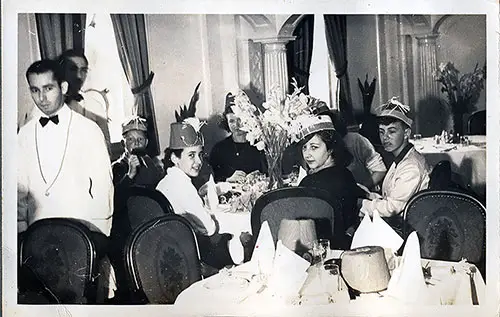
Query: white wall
point(187, 49)
point(28, 52)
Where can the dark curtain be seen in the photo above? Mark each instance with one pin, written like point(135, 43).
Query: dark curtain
point(299, 53)
point(336, 38)
point(130, 32)
point(59, 32)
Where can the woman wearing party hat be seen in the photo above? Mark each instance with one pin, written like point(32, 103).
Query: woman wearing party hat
point(184, 159)
point(326, 156)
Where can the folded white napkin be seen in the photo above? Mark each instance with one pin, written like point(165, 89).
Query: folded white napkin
point(236, 250)
point(302, 174)
point(376, 233)
point(407, 283)
point(212, 198)
point(264, 251)
point(288, 274)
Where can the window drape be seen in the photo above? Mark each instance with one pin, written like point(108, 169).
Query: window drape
point(58, 32)
point(336, 37)
point(130, 33)
point(299, 53)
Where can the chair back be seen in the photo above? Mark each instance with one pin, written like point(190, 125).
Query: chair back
point(450, 225)
point(298, 203)
point(144, 204)
point(476, 125)
point(60, 253)
point(162, 259)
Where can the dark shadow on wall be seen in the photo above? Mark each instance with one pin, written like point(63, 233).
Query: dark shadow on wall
point(433, 116)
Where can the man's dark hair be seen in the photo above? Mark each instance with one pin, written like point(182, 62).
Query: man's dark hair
point(63, 58)
point(389, 120)
point(45, 66)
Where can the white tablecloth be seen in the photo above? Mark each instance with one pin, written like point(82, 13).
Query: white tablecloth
point(467, 161)
point(237, 293)
point(233, 222)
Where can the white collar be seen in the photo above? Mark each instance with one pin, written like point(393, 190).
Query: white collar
point(177, 172)
point(63, 113)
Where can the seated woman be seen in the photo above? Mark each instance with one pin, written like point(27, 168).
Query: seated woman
point(326, 157)
point(183, 160)
point(367, 165)
point(232, 158)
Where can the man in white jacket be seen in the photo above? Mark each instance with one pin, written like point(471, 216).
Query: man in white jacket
point(408, 174)
point(63, 165)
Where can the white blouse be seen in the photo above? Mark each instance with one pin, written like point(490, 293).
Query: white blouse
point(185, 201)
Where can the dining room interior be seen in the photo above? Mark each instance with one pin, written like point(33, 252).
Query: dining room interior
point(158, 66)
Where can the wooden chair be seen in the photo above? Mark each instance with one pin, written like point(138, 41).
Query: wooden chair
point(476, 124)
point(59, 258)
point(162, 259)
point(450, 225)
point(300, 203)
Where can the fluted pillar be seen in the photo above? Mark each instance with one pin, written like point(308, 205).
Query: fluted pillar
point(428, 64)
point(275, 65)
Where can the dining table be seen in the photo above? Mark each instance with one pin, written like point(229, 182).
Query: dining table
point(467, 160)
point(237, 290)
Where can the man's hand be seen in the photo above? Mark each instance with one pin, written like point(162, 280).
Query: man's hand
point(133, 164)
point(237, 177)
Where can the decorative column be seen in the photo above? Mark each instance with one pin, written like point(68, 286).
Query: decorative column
point(275, 65)
point(428, 64)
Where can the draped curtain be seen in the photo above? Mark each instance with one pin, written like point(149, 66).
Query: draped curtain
point(336, 38)
point(130, 33)
point(59, 32)
point(299, 52)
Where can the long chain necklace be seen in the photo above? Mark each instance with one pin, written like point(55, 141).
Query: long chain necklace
point(47, 193)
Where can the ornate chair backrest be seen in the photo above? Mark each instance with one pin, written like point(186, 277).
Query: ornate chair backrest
point(61, 254)
point(450, 225)
point(162, 258)
point(298, 203)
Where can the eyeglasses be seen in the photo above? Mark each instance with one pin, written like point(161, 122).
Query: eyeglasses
point(131, 140)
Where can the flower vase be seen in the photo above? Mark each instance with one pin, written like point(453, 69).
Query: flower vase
point(458, 123)
point(275, 171)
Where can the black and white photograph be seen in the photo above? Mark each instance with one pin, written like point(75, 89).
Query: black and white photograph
point(250, 159)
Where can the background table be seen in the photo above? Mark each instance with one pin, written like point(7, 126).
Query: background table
point(469, 162)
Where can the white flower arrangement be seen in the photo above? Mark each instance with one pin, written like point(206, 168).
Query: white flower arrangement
point(274, 127)
point(277, 125)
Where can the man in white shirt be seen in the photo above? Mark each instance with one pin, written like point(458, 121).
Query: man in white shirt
point(63, 165)
point(91, 103)
point(408, 174)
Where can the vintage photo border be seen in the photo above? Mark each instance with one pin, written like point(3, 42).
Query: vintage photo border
point(9, 20)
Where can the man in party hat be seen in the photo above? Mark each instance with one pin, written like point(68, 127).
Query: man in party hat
point(135, 167)
point(408, 174)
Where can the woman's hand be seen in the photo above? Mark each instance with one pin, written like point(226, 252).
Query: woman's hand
point(237, 177)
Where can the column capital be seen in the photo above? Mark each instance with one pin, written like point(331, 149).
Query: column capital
point(426, 39)
point(275, 43)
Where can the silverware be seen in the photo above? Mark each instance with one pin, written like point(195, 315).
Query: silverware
point(473, 290)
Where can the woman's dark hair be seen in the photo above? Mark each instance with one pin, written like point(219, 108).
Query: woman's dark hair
point(334, 142)
point(167, 162)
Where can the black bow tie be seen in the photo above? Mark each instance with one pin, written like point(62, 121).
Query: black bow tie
point(45, 120)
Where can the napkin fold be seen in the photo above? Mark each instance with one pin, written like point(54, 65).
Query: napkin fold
point(376, 232)
point(264, 251)
point(288, 274)
point(407, 283)
point(212, 198)
point(302, 174)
